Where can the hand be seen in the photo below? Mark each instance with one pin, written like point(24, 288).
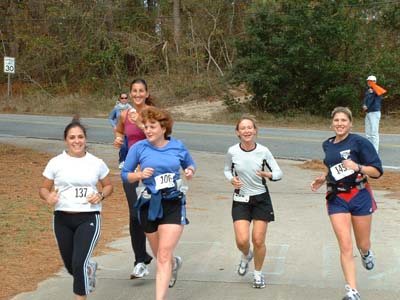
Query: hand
point(318, 182)
point(146, 173)
point(118, 142)
point(349, 164)
point(53, 197)
point(264, 174)
point(133, 116)
point(237, 184)
point(94, 198)
point(365, 108)
point(189, 173)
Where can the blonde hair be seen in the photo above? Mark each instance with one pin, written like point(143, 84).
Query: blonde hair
point(246, 117)
point(342, 109)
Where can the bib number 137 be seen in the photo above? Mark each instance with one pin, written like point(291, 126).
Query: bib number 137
point(164, 181)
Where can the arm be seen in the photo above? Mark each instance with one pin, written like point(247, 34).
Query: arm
point(318, 181)
point(112, 118)
point(275, 173)
point(46, 193)
point(188, 164)
point(234, 180)
point(120, 130)
point(370, 171)
point(128, 173)
point(106, 190)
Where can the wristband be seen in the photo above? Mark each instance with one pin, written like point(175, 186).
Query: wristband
point(360, 168)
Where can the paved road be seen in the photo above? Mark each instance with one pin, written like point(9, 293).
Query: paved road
point(284, 143)
point(302, 261)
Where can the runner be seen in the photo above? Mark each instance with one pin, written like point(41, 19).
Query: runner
point(247, 165)
point(121, 105)
point(131, 126)
point(350, 159)
point(161, 203)
point(69, 185)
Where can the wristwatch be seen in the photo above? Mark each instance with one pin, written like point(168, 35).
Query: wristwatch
point(102, 196)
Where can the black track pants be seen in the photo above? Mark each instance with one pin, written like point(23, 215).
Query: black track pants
point(77, 235)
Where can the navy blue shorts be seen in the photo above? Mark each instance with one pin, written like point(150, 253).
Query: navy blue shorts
point(362, 203)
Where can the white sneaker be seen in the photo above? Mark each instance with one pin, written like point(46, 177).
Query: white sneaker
point(259, 281)
point(139, 271)
point(244, 263)
point(121, 165)
point(351, 294)
point(91, 270)
point(174, 275)
point(368, 260)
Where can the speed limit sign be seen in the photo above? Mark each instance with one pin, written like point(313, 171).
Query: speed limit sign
point(9, 65)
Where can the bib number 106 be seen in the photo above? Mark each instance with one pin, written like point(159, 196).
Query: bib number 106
point(165, 181)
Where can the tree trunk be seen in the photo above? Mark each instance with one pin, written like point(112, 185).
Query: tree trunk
point(177, 24)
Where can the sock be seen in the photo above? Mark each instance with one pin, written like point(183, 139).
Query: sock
point(257, 273)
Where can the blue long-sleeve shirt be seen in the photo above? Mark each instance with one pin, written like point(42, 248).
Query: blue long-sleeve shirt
point(116, 112)
point(372, 101)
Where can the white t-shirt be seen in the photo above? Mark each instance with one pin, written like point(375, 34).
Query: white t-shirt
point(76, 178)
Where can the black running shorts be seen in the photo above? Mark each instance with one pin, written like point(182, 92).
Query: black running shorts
point(259, 207)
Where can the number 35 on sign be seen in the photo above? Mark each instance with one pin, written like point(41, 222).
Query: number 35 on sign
point(9, 65)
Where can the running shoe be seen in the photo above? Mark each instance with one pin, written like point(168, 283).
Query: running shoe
point(368, 260)
point(259, 281)
point(174, 275)
point(139, 271)
point(244, 263)
point(351, 294)
point(91, 270)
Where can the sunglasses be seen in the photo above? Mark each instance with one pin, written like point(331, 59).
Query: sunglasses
point(123, 97)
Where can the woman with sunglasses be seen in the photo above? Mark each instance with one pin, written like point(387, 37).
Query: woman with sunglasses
point(120, 106)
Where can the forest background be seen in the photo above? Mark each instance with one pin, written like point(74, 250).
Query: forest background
point(282, 58)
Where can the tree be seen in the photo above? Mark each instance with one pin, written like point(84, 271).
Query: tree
point(301, 56)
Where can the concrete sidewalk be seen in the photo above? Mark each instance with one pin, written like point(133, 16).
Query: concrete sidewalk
point(302, 261)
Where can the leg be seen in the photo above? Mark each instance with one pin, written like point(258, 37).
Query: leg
point(153, 241)
point(258, 238)
point(374, 118)
point(123, 151)
point(86, 235)
point(138, 238)
point(341, 223)
point(362, 232)
point(368, 129)
point(64, 236)
point(242, 235)
point(168, 237)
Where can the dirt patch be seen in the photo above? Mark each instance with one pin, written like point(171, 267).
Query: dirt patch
point(28, 250)
point(199, 111)
point(385, 183)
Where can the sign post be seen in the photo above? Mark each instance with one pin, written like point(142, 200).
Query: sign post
point(9, 68)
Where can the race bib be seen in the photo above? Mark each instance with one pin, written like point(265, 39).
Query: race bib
point(77, 194)
point(164, 181)
point(240, 198)
point(339, 171)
